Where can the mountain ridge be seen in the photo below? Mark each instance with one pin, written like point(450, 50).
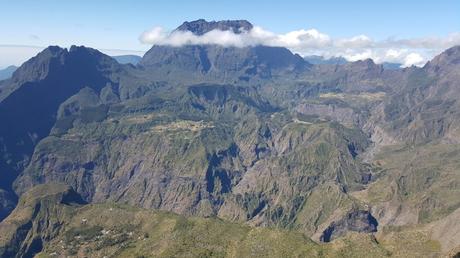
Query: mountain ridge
point(201, 26)
point(250, 135)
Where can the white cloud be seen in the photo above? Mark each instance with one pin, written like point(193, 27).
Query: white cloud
point(359, 55)
point(360, 41)
point(313, 42)
point(427, 42)
point(257, 36)
point(302, 39)
point(414, 59)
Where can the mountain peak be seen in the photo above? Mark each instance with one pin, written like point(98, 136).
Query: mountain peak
point(448, 58)
point(366, 65)
point(366, 62)
point(53, 57)
point(37, 67)
point(201, 26)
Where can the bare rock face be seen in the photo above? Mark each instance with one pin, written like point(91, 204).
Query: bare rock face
point(228, 64)
point(357, 220)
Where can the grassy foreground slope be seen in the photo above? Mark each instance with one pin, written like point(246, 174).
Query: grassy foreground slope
point(52, 221)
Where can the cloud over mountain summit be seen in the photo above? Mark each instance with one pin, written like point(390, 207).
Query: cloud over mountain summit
point(412, 51)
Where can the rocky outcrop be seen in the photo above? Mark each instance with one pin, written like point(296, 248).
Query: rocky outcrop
point(201, 26)
point(356, 220)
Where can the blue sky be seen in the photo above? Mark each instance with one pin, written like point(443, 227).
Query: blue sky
point(118, 24)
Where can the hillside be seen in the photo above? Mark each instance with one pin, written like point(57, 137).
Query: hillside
point(252, 139)
point(59, 224)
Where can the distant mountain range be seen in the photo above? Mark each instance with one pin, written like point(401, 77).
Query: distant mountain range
point(257, 151)
point(315, 60)
point(134, 59)
point(321, 60)
point(341, 60)
point(128, 59)
point(7, 72)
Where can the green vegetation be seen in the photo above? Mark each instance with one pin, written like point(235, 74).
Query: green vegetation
point(423, 177)
point(122, 231)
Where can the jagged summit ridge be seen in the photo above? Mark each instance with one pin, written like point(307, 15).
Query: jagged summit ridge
point(37, 67)
point(201, 26)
